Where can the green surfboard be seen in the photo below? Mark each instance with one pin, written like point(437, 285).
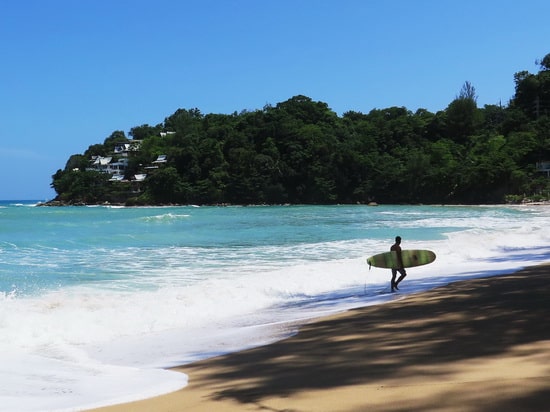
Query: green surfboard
point(410, 258)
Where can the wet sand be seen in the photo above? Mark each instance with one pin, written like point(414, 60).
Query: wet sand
point(475, 345)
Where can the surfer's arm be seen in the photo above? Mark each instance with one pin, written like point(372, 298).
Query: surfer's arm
point(399, 258)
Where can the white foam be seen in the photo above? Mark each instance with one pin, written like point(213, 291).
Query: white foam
point(36, 383)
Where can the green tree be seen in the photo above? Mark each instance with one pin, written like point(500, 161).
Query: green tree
point(463, 117)
point(77, 161)
point(545, 63)
point(145, 131)
point(115, 137)
point(77, 186)
point(165, 186)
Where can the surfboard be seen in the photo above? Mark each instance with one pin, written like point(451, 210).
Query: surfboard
point(410, 258)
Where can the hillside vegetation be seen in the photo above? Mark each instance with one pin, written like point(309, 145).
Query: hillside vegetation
point(300, 151)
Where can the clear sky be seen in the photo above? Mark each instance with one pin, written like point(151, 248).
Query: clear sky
point(74, 71)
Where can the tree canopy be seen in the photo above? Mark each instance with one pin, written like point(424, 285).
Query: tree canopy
point(301, 151)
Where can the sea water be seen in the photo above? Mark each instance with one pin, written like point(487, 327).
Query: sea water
point(96, 302)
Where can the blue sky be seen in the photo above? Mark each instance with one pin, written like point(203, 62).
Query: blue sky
point(74, 71)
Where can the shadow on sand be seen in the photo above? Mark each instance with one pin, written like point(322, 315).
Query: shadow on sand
point(469, 320)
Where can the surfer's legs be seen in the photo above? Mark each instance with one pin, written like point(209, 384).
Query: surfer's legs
point(393, 275)
point(403, 274)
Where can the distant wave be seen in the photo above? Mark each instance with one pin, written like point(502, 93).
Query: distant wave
point(165, 216)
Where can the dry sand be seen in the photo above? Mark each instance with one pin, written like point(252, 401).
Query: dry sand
point(476, 345)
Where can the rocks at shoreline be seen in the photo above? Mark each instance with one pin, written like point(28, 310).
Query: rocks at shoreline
point(57, 203)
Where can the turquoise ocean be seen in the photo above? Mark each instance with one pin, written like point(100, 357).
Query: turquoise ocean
point(95, 302)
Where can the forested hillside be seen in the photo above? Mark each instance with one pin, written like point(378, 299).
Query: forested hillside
point(300, 151)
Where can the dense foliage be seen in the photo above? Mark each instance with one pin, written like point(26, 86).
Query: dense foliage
point(300, 151)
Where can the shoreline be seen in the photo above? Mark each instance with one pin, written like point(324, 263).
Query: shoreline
point(473, 345)
point(76, 203)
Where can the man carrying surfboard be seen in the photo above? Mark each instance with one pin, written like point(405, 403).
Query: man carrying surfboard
point(397, 260)
point(396, 247)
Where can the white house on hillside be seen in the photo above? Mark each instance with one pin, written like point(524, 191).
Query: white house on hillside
point(123, 148)
point(106, 164)
point(117, 165)
point(544, 167)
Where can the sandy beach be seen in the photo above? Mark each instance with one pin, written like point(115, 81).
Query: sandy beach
point(475, 345)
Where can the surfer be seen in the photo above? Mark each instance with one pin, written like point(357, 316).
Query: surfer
point(397, 249)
